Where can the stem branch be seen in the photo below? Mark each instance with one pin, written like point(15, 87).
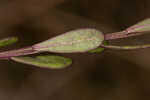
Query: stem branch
point(126, 47)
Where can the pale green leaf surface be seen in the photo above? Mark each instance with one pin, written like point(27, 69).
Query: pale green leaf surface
point(80, 40)
point(98, 50)
point(143, 26)
point(8, 41)
point(48, 61)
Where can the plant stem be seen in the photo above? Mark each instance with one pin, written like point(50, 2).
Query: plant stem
point(126, 47)
point(18, 52)
point(119, 35)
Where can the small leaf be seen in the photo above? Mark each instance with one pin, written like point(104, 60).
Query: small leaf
point(48, 61)
point(143, 26)
point(98, 50)
point(8, 41)
point(80, 40)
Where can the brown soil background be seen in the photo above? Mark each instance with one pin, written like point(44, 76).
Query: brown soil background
point(111, 75)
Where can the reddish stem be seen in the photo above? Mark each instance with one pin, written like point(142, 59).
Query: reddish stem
point(119, 35)
point(19, 52)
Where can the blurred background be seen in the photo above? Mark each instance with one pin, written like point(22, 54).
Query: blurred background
point(111, 75)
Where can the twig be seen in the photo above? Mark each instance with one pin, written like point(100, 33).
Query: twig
point(119, 35)
point(18, 52)
point(126, 47)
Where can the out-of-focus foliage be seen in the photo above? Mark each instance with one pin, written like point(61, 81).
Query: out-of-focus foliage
point(8, 41)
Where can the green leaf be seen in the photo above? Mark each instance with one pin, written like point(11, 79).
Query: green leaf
point(143, 26)
point(98, 50)
point(8, 41)
point(80, 40)
point(48, 61)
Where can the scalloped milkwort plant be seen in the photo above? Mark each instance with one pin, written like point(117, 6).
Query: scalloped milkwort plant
point(86, 40)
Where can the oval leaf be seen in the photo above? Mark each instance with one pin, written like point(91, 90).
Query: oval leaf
point(143, 26)
point(80, 40)
point(8, 41)
point(48, 61)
